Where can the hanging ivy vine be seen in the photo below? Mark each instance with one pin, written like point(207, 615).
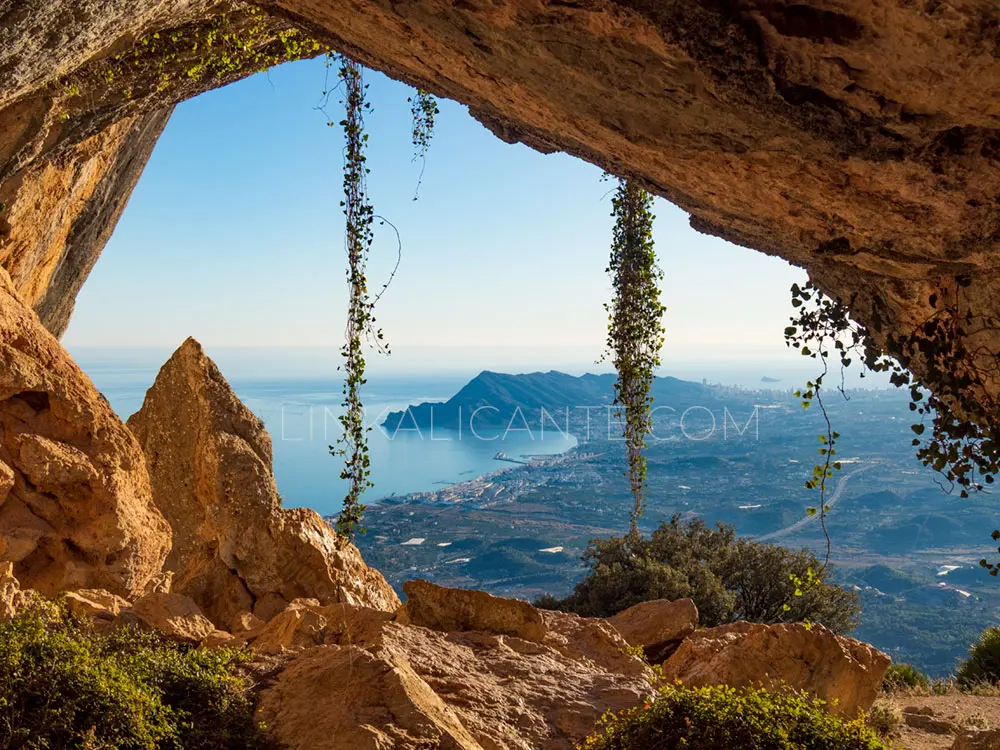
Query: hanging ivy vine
point(963, 440)
point(635, 328)
point(819, 327)
point(423, 108)
point(361, 330)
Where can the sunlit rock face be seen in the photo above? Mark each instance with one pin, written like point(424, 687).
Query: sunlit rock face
point(75, 501)
point(858, 139)
point(235, 549)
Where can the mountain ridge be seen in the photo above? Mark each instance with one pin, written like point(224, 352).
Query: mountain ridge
point(495, 398)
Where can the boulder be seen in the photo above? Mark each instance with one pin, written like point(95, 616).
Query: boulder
point(345, 697)
point(374, 682)
point(235, 549)
point(447, 609)
point(845, 673)
point(977, 739)
point(219, 639)
point(95, 603)
point(305, 623)
point(923, 718)
point(245, 623)
point(76, 507)
point(174, 615)
point(512, 693)
point(592, 641)
point(657, 626)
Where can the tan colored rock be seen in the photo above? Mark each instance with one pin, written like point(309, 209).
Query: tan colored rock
point(234, 548)
point(657, 626)
point(977, 739)
point(77, 507)
point(306, 623)
point(96, 603)
point(446, 609)
point(174, 615)
point(345, 697)
point(295, 628)
point(245, 623)
point(506, 693)
point(590, 640)
point(11, 596)
point(512, 693)
point(845, 673)
point(852, 138)
point(219, 639)
point(923, 718)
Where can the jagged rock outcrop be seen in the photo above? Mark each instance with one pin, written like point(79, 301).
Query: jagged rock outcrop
point(235, 549)
point(858, 140)
point(344, 696)
point(845, 673)
point(369, 681)
point(658, 626)
point(75, 502)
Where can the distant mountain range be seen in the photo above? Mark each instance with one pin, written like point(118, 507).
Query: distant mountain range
point(494, 398)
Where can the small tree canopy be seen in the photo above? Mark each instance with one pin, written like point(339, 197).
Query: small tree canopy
point(729, 578)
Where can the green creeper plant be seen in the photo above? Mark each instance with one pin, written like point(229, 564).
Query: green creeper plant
point(963, 443)
point(635, 327)
point(424, 108)
point(352, 446)
point(814, 332)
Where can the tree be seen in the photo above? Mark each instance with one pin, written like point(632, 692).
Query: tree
point(728, 577)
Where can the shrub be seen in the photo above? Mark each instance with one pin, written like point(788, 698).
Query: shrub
point(983, 662)
point(885, 717)
point(729, 578)
point(724, 717)
point(977, 720)
point(905, 676)
point(64, 686)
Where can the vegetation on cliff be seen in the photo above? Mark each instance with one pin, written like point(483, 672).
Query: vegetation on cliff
point(67, 686)
point(728, 577)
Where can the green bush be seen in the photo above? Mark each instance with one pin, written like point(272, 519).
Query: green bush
point(729, 578)
point(64, 686)
point(885, 717)
point(724, 717)
point(905, 676)
point(983, 662)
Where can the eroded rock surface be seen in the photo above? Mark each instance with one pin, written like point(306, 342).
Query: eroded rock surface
point(235, 549)
point(373, 682)
point(857, 139)
point(174, 615)
point(447, 609)
point(75, 501)
point(657, 626)
point(845, 673)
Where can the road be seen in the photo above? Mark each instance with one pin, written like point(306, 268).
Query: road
point(831, 501)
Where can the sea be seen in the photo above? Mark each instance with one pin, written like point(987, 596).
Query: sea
point(300, 406)
point(297, 394)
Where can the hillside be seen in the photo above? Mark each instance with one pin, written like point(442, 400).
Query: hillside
point(494, 398)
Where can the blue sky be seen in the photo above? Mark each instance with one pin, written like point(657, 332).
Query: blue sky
point(235, 235)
